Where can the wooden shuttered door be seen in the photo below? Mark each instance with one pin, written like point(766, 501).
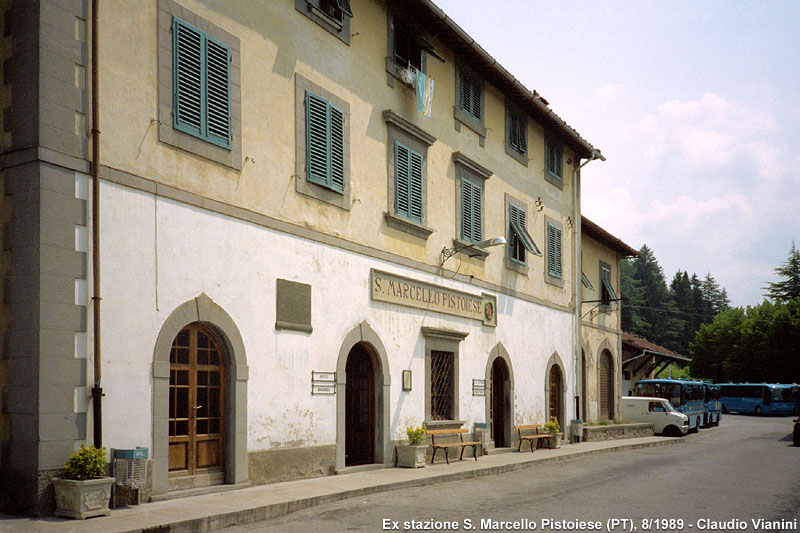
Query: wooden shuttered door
point(201, 85)
point(408, 182)
point(471, 211)
point(606, 387)
point(324, 143)
point(553, 251)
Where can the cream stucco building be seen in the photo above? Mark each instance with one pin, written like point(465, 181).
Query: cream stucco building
point(290, 197)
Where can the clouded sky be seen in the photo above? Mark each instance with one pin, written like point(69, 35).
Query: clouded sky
point(696, 106)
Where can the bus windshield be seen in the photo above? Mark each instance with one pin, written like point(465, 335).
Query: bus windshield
point(668, 391)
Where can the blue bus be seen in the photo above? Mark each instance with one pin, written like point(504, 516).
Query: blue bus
point(758, 398)
point(684, 395)
point(712, 404)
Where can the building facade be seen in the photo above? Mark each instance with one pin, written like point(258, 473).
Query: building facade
point(295, 201)
point(601, 338)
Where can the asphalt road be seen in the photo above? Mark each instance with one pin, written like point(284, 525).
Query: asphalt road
point(721, 479)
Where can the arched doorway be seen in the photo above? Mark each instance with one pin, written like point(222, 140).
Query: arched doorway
point(500, 415)
point(606, 389)
point(556, 390)
point(360, 403)
point(196, 403)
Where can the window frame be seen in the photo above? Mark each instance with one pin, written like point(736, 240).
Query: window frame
point(476, 175)
point(303, 185)
point(511, 262)
point(394, 69)
point(313, 9)
point(552, 175)
point(230, 155)
point(442, 340)
point(400, 130)
point(554, 277)
point(468, 119)
point(520, 155)
point(607, 293)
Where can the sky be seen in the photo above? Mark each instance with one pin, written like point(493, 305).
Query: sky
point(695, 105)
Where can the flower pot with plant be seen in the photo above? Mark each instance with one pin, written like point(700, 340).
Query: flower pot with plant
point(412, 455)
point(85, 490)
point(554, 428)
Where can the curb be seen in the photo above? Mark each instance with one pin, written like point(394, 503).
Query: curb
point(276, 510)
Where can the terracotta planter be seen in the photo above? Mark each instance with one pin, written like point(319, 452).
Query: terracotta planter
point(83, 499)
point(411, 456)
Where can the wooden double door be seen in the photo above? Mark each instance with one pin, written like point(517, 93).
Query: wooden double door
point(359, 430)
point(196, 402)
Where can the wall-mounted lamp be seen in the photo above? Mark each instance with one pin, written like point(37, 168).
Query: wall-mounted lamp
point(447, 253)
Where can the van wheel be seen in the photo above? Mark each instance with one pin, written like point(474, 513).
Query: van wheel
point(672, 431)
point(758, 410)
point(724, 409)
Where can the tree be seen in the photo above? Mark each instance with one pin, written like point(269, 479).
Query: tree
point(631, 289)
point(789, 288)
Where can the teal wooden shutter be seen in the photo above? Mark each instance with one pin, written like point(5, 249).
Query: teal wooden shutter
point(517, 132)
point(188, 78)
point(477, 96)
point(554, 160)
point(317, 140)
point(408, 182)
point(337, 149)
point(466, 94)
point(471, 215)
point(201, 84)
point(218, 91)
point(553, 251)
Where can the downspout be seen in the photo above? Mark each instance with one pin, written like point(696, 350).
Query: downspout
point(97, 390)
point(576, 281)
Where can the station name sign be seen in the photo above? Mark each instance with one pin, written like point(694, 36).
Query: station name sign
point(398, 290)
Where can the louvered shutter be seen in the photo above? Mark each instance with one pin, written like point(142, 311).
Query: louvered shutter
point(188, 78)
point(471, 213)
point(336, 120)
point(317, 140)
point(415, 186)
point(401, 180)
point(477, 95)
point(553, 251)
point(606, 387)
point(344, 5)
point(466, 94)
point(517, 132)
point(201, 84)
point(218, 91)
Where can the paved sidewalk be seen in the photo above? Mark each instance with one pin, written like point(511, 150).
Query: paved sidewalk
point(211, 512)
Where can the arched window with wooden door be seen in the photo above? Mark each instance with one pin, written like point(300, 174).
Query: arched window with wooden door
point(196, 403)
point(606, 385)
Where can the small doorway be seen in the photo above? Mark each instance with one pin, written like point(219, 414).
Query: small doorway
point(360, 403)
point(500, 403)
point(606, 386)
point(196, 403)
point(556, 390)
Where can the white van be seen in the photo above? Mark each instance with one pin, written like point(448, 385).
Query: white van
point(656, 411)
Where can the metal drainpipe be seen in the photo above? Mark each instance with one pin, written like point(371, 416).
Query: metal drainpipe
point(97, 390)
point(576, 282)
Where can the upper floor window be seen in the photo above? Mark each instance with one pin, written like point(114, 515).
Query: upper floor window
point(408, 48)
point(469, 109)
point(324, 143)
point(471, 210)
point(333, 15)
point(199, 66)
point(519, 241)
point(554, 156)
point(201, 86)
point(516, 135)
point(607, 293)
point(408, 182)
point(554, 268)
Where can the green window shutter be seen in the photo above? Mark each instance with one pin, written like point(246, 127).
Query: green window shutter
point(218, 91)
point(188, 78)
point(517, 132)
point(520, 232)
point(344, 5)
point(466, 94)
point(586, 282)
point(415, 186)
point(553, 251)
point(477, 96)
point(317, 139)
point(608, 291)
point(336, 121)
point(471, 217)
point(554, 160)
point(401, 180)
point(201, 84)
point(408, 182)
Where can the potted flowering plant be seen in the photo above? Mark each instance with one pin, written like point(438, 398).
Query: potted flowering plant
point(553, 427)
point(85, 490)
point(412, 455)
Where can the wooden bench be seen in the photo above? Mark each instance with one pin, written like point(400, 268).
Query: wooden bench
point(533, 433)
point(447, 439)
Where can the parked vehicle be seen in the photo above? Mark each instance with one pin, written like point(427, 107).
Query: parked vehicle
point(685, 396)
point(758, 398)
point(657, 411)
point(712, 404)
